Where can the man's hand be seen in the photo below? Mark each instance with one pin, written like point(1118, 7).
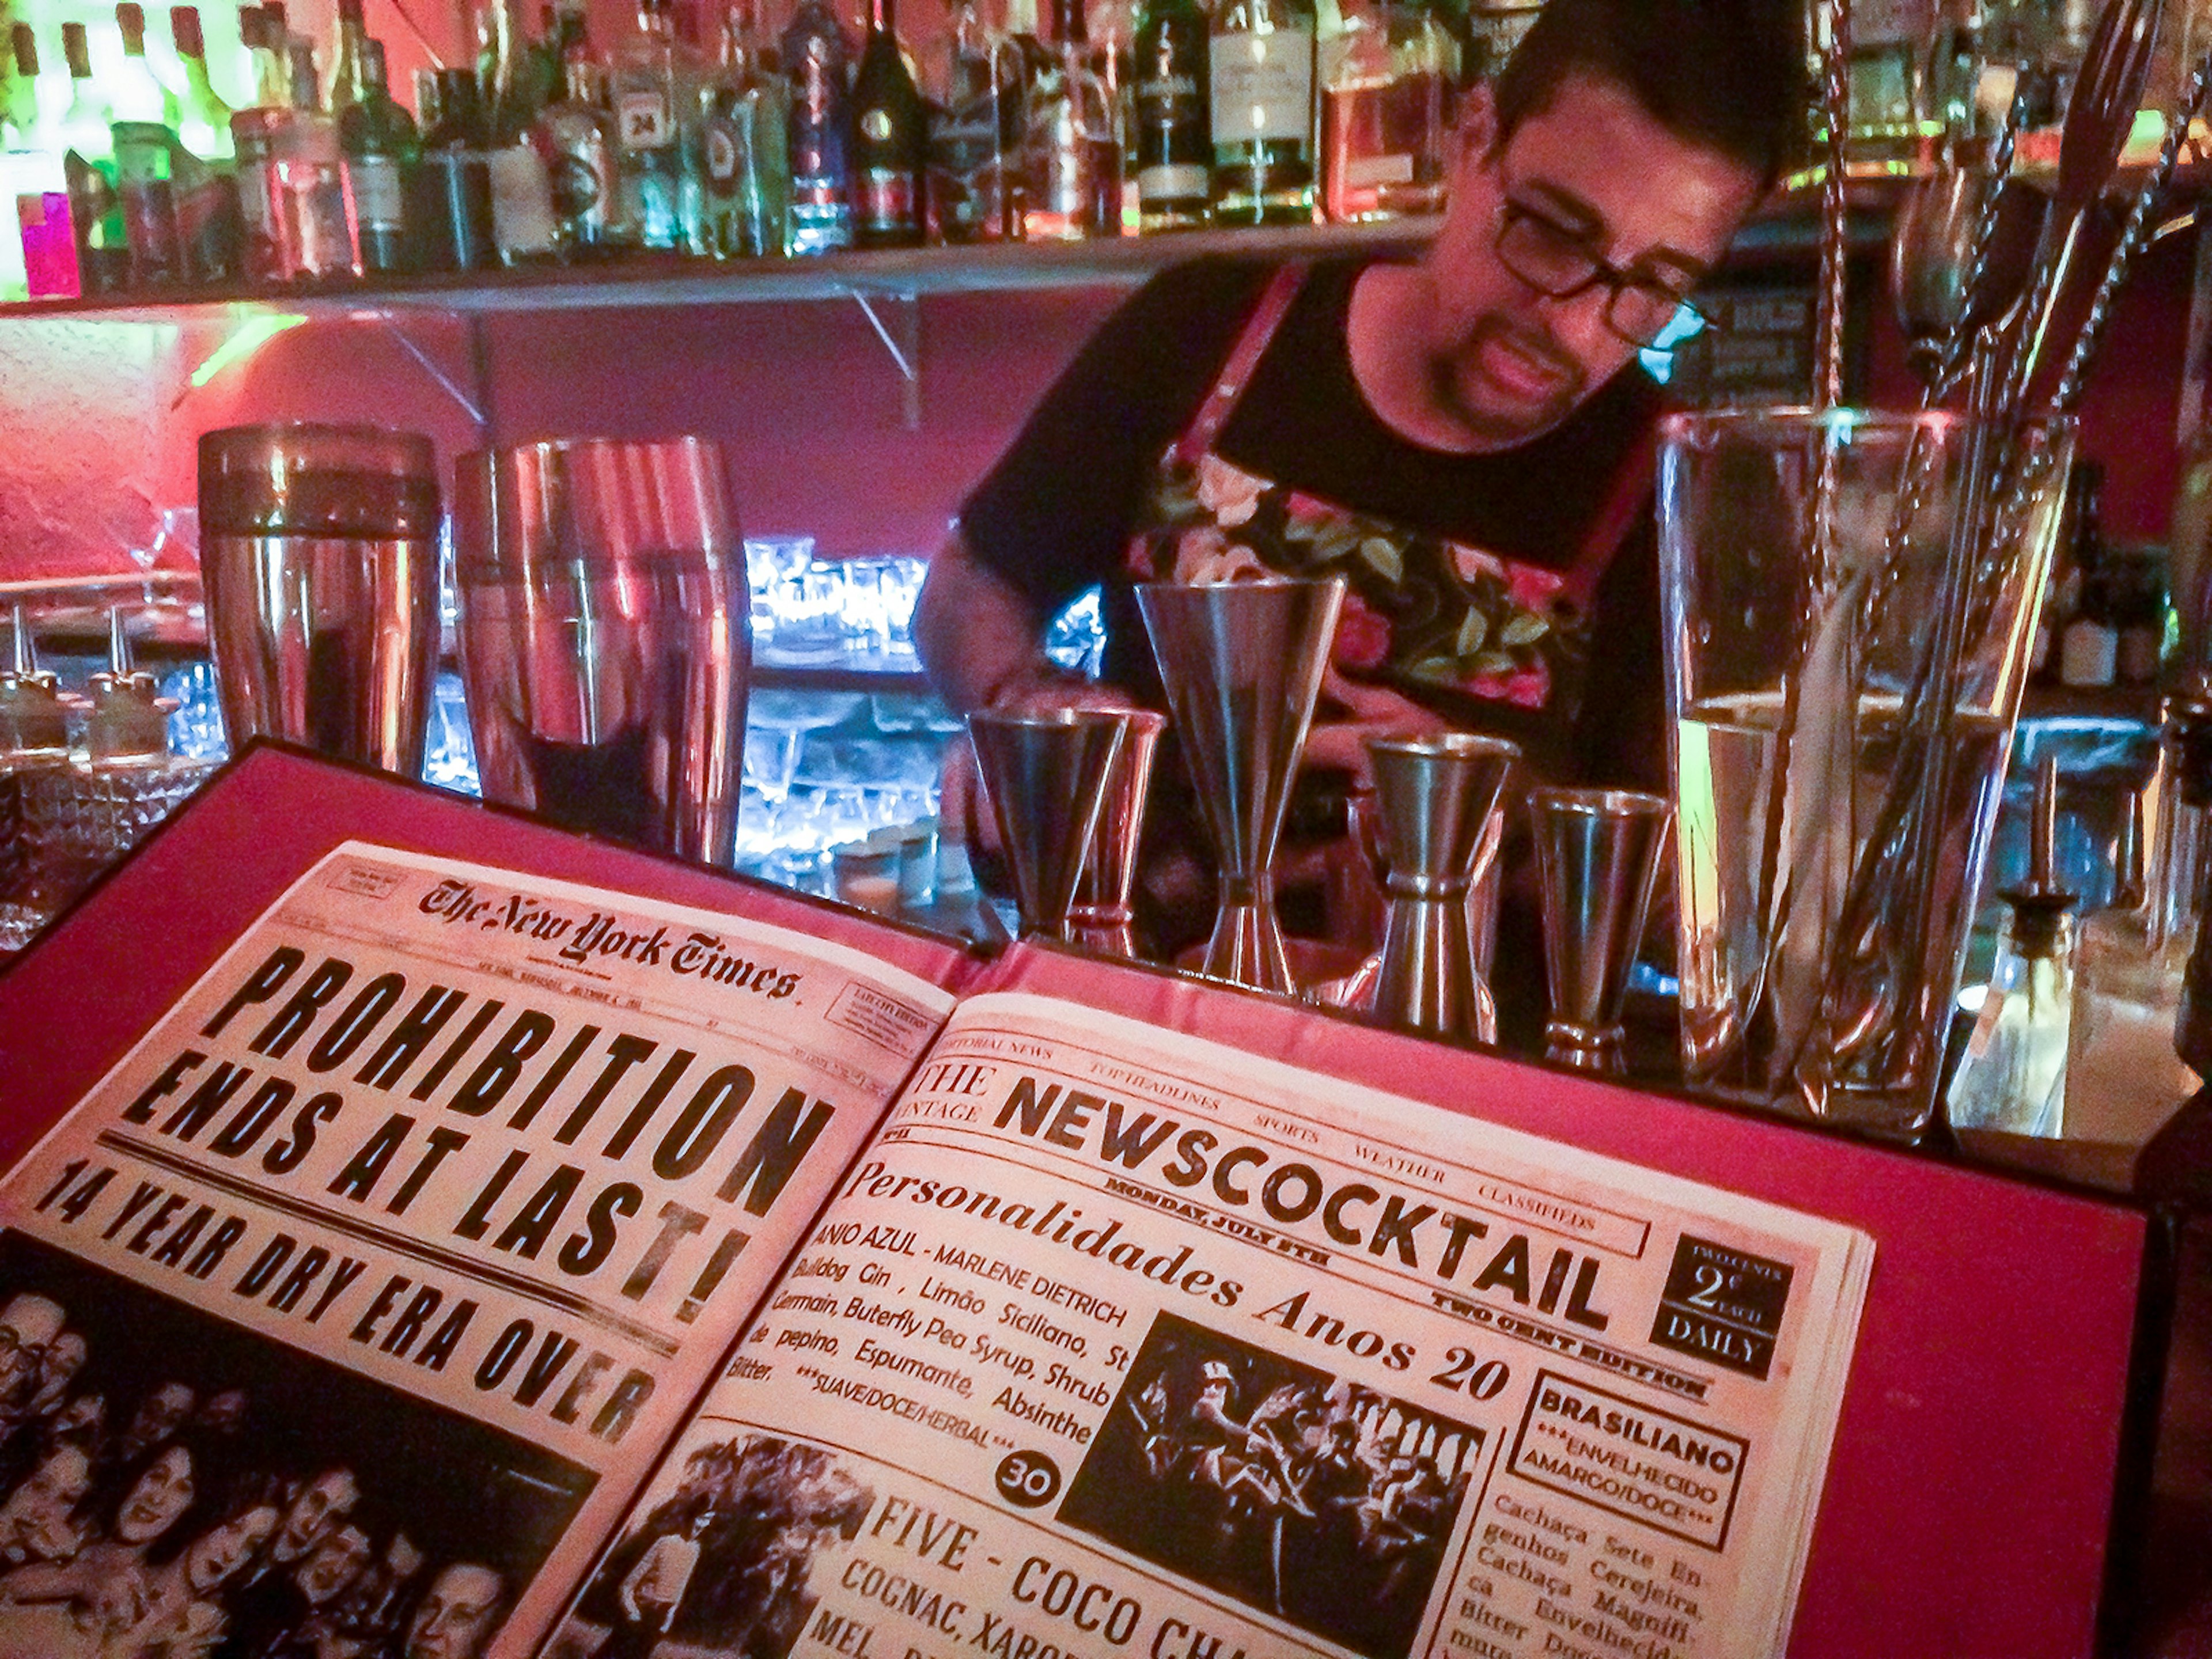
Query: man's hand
point(1339, 741)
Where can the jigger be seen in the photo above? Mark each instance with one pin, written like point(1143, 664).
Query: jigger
point(1047, 776)
point(1436, 799)
point(1598, 855)
point(1101, 918)
point(1242, 662)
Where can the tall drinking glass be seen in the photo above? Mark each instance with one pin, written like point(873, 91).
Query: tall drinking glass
point(1832, 814)
point(604, 636)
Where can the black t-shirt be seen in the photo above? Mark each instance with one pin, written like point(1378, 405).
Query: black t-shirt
point(1056, 515)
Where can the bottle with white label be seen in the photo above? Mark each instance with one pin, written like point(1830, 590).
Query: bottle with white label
point(1260, 65)
point(656, 87)
point(1175, 156)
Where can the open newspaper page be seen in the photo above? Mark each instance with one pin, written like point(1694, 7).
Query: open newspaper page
point(1120, 1342)
point(344, 1315)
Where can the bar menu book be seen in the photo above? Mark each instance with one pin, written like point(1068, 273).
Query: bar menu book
point(465, 1259)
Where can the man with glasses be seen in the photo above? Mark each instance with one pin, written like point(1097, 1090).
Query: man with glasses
point(1465, 439)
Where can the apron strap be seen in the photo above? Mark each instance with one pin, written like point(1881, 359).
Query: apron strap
point(1625, 502)
point(1259, 333)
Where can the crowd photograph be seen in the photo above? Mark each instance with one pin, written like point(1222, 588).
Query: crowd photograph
point(173, 1487)
point(1309, 1497)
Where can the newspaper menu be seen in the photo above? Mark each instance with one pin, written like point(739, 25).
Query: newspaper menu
point(1118, 1341)
point(349, 1308)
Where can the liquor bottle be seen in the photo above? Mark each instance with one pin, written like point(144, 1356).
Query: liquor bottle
point(1382, 85)
point(253, 134)
point(135, 92)
point(25, 172)
point(1174, 146)
point(654, 95)
point(311, 221)
point(524, 223)
point(87, 147)
point(576, 136)
point(1110, 26)
point(1072, 156)
point(348, 73)
point(815, 54)
point(890, 141)
point(1260, 62)
point(974, 143)
point(2122, 1076)
point(381, 151)
point(203, 117)
point(19, 112)
point(450, 213)
point(209, 220)
point(744, 114)
point(2013, 1076)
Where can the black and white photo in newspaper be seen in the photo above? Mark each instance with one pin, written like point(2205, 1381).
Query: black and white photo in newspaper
point(344, 1315)
point(1120, 1341)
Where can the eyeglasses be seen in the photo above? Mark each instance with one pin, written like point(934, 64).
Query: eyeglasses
point(1557, 261)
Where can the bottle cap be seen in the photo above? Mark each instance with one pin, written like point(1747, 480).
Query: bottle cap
point(349, 11)
point(130, 19)
point(75, 48)
point(127, 722)
point(32, 718)
point(185, 32)
point(26, 43)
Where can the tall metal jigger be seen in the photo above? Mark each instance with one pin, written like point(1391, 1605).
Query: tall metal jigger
point(1435, 799)
point(1242, 662)
point(1102, 919)
point(1597, 857)
point(1047, 776)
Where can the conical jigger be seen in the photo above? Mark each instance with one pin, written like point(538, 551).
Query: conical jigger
point(1101, 918)
point(1597, 854)
point(1242, 662)
point(1045, 775)
point(1435, 797)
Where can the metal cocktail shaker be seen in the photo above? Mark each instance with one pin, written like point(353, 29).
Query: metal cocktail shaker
point(319, 556)
point(605, 644)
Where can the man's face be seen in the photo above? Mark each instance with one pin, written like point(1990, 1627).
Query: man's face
point(455, 1615)
point(330, 1494)
point(225, 1411)
point(65, 1359)
point(335, 1562)
point(157, 1499)
point(215, 1557)
point(1508, 363)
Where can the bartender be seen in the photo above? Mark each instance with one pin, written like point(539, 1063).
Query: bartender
point(1466, 439)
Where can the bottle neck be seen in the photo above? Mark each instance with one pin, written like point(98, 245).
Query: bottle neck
point(883, 17)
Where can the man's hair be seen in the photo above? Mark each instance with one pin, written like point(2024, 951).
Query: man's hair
point(1726, 75)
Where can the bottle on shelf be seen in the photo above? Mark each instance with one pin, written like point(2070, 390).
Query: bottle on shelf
point(262, 31)
point(87, 147)
point(816, 55)
point(2088, 646)
point(2013, 1076)
point(975, 142)
point(576, 135)
point(655, 98)
point(2122, 1076)
point(1260, 62)
point(1382, 123)
point(28, 176)
point(382, 150)
point(347, 70)
point(1170, 85)
point(1072, 154)
point(745, 118)
point(253, 135)
point(209, 223)
point(134, 93)
point(890, 141)
point(311, 223)
point(451, 212)
point(523, 220)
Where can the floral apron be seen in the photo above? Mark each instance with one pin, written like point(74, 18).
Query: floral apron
point(1455, 627)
